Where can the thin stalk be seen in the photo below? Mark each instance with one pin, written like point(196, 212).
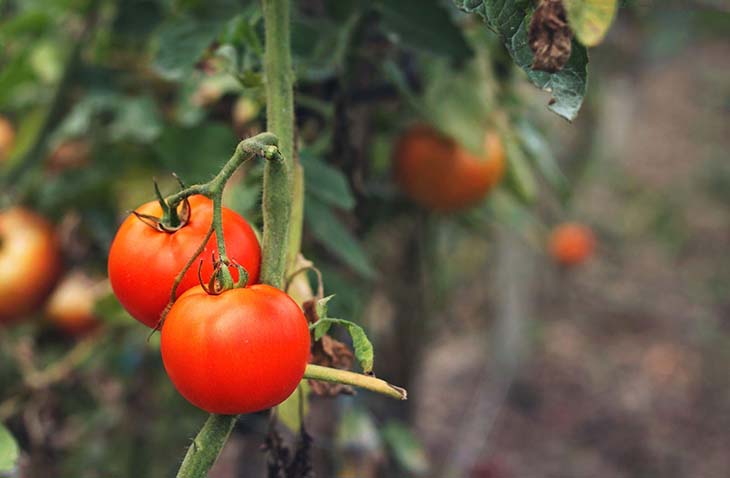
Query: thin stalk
point(368, 382)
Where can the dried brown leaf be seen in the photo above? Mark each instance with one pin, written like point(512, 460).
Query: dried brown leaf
point(549, 36)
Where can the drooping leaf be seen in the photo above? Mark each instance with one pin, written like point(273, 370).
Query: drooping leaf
point(590, 19)
point(291, 411)
point(9, 453)
point(360, 342)
point(510, 20)
point(538, 150)
point(425, 25)
point(328, 229)
point(326, 183)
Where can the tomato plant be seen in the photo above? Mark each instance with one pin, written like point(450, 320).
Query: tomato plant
point(571, 243)
point(29, 261)
point(240, 351)
point(439, 174)
point(144, 261)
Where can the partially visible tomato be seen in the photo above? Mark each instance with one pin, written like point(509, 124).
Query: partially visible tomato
point(69, 154)
point(71, 304)
point(440, 174)
point(242, 351)
point(30, 261)
point(143, 262)
point(7, 138)
point(571, 243)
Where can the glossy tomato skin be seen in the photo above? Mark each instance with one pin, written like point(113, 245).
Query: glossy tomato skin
point(30, 261)
point(143, 262)
point(441, 175)
point(242, 351)
point(571, 243)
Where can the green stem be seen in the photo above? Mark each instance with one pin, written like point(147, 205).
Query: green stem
point(278, 179)
point(368, 382)
point(206, 446)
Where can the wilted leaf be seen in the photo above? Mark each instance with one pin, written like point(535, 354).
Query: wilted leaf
point(590, 19)
point(510, 20)
point(549, 36)
point(9, 452)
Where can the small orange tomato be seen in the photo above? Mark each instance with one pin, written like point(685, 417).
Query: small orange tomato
point(440, 174)
point(571, 243)
point(71, 304)
point(29, 261)
point(7, 138)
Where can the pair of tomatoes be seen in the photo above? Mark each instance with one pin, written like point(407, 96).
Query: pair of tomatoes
point(238, 351)
point(30, 263)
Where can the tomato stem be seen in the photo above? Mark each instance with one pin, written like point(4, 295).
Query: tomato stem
point(368, 382)
point(206, 446)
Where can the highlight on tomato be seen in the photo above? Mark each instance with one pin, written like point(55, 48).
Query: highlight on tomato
point(571, 243)
point(70, 306)
point(144, 261)
point(30, 261)
point(441, 175)
point(239, 351)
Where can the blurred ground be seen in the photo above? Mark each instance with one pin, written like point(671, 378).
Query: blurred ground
point(627, 376)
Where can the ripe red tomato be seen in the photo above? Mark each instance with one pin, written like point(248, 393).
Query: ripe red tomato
point(71, 304)
point(29, 261)
point(571, 243)
point(143, 262)
point(441, 175)
point(242, 351)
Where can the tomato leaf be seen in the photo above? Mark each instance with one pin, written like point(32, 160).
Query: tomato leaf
point(291, 411)
point(328, 229)
point(326, 183)
point(9, 453)
point(510, 20)
point(405, 448)
point(414, 23)
point(538, 150)
point(360, 342)
point(590, 19)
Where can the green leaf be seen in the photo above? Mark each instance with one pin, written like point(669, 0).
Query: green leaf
point(328, 229)
point(539, 151)
point(405, 448)
point(360, 342)
point(424, 25)
point(519, 178)
point(321, 308)
point(590, 19)
point(291, 411)
point(9, 452)
point(510, 20)
point(181, 44)
point(194, 153)
point(326, 183)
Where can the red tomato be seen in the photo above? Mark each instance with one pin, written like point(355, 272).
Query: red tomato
point(571, 243)
point(242, 351)
point(71, 305)
point(143, 262)
point(441, 175)
point(29, 262)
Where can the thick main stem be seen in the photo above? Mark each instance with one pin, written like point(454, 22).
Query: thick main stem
point(206, 446)
point(277, 201)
